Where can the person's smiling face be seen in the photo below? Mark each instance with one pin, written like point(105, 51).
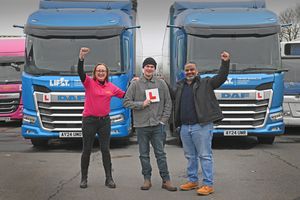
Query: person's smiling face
point(190, 71)
point(101, 73)
point(149, 71)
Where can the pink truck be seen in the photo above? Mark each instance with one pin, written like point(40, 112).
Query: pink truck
point(12, 51)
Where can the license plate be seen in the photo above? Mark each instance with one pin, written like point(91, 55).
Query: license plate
point(235, 133)
point(7, 119)
point(70, 134)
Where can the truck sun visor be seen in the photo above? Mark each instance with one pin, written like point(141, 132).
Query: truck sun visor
point(44, 31)
point(219, 30)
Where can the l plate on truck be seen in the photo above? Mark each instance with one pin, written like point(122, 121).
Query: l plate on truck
point(235, 133)
point(70, 134)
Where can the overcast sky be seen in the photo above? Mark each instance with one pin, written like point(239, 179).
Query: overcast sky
point(152, 16)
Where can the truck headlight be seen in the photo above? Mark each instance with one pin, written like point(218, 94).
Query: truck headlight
point(29, 119)
point(117, 118)
point(276, 116)
point(287, 113)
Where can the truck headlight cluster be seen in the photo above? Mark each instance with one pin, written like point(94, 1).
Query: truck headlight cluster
point(287, 113)
point(117, 118)
point(276, 116)
point(115, 132)
point(29, 119)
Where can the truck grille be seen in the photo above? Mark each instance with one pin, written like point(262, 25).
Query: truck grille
point(60, 111)
point(243, 109)
point(9, 102)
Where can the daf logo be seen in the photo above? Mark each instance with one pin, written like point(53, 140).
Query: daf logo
point(70, 98)
point(235, 95)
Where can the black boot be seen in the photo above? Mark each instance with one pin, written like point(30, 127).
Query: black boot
point(83, 183)
point(84, 170)
point(109, 182)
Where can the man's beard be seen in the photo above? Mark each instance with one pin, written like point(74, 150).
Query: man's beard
point(190, 78)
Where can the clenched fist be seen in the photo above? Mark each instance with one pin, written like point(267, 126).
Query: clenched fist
point(83, 51)
point(225, 56)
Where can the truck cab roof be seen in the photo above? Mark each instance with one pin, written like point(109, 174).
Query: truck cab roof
point(224, 19)
point(67, 18)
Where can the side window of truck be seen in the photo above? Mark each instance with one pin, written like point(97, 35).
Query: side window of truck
point(126, 55)
point(292, 49)
point(180, 50)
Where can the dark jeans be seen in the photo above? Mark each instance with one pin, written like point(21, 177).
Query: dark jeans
point(154, 135)
point(90, 127)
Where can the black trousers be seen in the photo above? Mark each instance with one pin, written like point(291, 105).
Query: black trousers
point(90, 127)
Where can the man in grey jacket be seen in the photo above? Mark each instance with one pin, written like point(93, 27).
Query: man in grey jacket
point(196, 109)
point(150, 101)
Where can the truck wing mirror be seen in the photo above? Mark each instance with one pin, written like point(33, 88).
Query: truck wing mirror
point(286, 25)
point(132, 27)
point(173, 26)
point(18, 26)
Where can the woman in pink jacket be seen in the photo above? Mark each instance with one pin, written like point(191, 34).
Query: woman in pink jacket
point(96, 120)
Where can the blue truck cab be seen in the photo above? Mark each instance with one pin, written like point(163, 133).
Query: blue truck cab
point(53, 93)
point(251, 98)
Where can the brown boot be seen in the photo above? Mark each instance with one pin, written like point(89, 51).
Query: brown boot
point(205, 190)
point(189, 186)
point(168, 186)
point(147, 185)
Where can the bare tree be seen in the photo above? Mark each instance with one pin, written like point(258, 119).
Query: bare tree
point(290, 16)
point(134, 5)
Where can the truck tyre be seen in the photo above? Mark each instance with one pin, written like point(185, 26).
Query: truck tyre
point(39, 142)
point(266, 140)
point(124, 141)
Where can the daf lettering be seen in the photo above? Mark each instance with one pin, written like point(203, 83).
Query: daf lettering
point(235, 95)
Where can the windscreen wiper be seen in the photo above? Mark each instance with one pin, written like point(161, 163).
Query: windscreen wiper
point(263, 69)
point(10, 82)
point(15, 66)
point(212, 71)
point(115, 72)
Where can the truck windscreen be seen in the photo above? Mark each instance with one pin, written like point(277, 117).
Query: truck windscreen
point(59, 56)
point(11, 72)
point(247, 52)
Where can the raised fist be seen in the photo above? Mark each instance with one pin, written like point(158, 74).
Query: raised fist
point(225, 56)
point(83, 51)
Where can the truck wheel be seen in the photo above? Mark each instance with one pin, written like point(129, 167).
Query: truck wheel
point(39, 142)
point(124, 141)
point(266, 140)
